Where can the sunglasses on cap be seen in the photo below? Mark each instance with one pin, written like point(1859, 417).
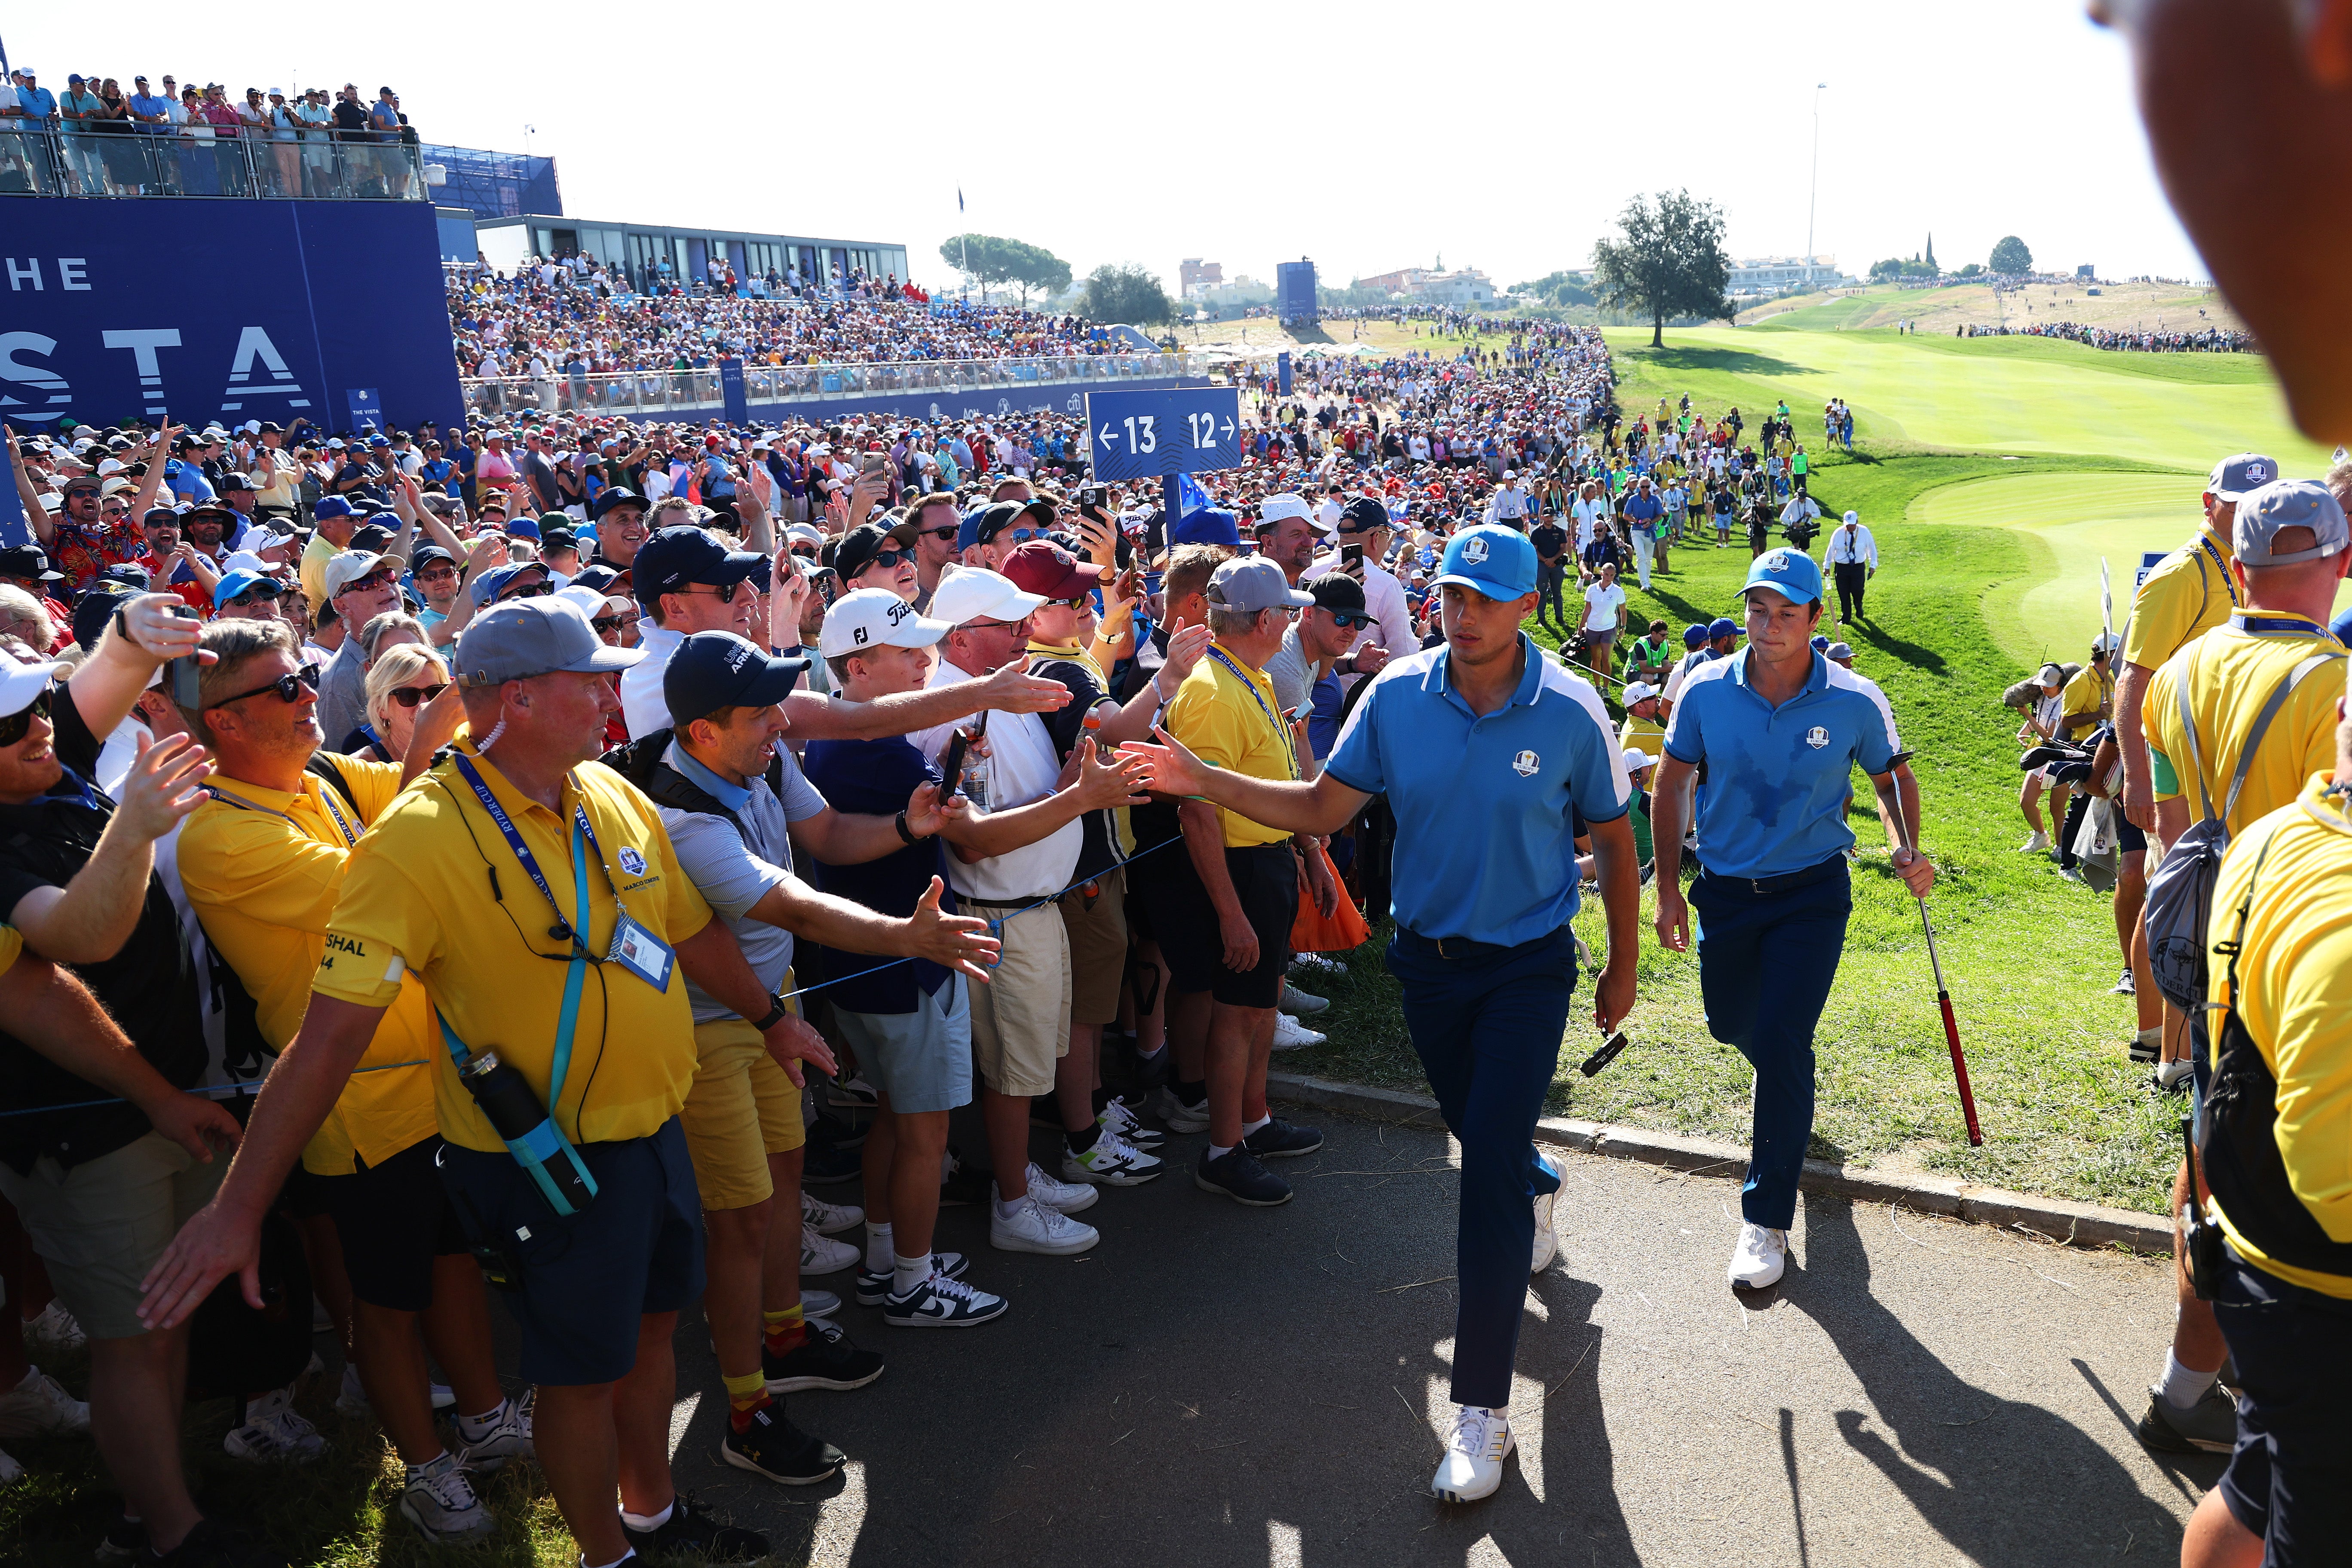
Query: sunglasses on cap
point(410, 696)
point(1021, 535)
point(15, 726)
point(289, 688)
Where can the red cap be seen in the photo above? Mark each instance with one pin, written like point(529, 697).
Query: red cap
point(1042, 567)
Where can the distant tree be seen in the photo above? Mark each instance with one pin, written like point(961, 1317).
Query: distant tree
point(1891, 267)
point(1562, 288)
point(2010, 256)
point(986, 258)
point(1668, 261)
point(1971, 271)
point(1124, 291)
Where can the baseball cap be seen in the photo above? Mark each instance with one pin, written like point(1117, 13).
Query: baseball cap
point(1210, 525)
point(1362, 515)
point(375, 536)
point(1007, 514)
point(1791, 574)
point(348, 567)
point(28, 561)
point(712, 670)
point(129, 573)
point(861, 544)
point(524, 527)
point(96, 607)
point(2288, 503)
point(524, 637)
point(2105, 642)
point(232, 583)
point(160, 517)
point(976, 594)
point(330, 506)
point(2052, 675)
point(489, 584)
point(1636, 758)
point(232, 483)
point(1838, 650)
point(619, 495)
point(1273, 508)
point(1044, 568)
point(1695, 635)
point(2234, 477)
point(876, 617)
point(675, 557)
point(20, 683)
point(1639, 691)
point(427, 554)
point(1252, 583)
point(1720, 627)
point(1500, 563)
point(558, 538)
point(1336, 591)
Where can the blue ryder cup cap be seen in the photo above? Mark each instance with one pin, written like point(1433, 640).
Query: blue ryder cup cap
point(712, 670)
point(1500, 563)
point(232, 584)
point(1791, 574)
point(1722, 626)
point(1208, 526)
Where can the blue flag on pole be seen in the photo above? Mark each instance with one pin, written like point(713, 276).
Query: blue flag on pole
point(1190, 496)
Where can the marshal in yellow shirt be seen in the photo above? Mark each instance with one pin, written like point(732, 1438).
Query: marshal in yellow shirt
point(2232, 672)
point(2185, 593)
point(2296, 973)
point(2088, 699)
point(434, 890)
point(1229, 721)
point(263, 871)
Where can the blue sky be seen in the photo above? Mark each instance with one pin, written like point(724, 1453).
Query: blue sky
point(1499, 135)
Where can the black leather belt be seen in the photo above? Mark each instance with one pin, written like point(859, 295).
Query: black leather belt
point(1461, 947)
point(1833, 866)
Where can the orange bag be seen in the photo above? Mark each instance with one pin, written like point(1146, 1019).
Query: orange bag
point(1343, 930)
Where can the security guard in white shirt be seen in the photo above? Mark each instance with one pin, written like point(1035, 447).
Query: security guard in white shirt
point(1853, 562)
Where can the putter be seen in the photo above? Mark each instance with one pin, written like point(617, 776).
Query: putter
point(1604, 1056)
point(1943, 993)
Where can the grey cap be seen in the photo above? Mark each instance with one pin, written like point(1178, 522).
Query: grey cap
point(1839, 651)
point(2052, 675)
point(2288, 503)
point(524, 637)
point(1251, 582)
point(2233, 478)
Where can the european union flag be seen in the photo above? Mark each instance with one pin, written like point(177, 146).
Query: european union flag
point(1190, 496)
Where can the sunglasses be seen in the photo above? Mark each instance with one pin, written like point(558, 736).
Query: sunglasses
point(889, 557)
point(18, 725)
point(288, 688)
point(1077, 601)
point(606, 624)
point(384, 578)
point(410, 696)
point(528, 591)
point(1020, 535)
point(1351, 620)
point(259, 591)
point(948, 532)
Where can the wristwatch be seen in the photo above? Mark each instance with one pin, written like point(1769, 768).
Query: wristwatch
point(906, 834)
point(777, 1013)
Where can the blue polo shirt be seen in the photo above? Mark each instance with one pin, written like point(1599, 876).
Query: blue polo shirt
point(1486, 838)
point(1778, 778)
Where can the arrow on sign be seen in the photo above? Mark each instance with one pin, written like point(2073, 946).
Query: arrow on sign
point(1229, 429)
point(1106, 437)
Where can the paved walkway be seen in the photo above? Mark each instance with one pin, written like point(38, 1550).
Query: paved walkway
point(1220, 1385)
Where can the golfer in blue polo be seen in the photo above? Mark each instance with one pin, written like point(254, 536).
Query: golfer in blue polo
point(1773, 731)
point(1487, 752)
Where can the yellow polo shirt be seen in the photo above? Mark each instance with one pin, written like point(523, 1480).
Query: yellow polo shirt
point(2087, 699)
point(263, 871)
point(2186, 593)
point(1647, 736)
point(315, 557)
point(2296, 975)
point(12, 943)
point(434, 890)
point(2230, 673)
point(1229, 721)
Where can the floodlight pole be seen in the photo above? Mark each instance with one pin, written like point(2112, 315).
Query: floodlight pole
point(1813, 200)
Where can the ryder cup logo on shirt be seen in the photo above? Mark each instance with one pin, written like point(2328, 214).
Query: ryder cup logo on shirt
point(1525, 763)
point(634, 864)
point(1474, 550)
point(1817, 737)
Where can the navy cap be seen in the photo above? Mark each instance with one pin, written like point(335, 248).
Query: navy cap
point(128, 572)
point(1362, 515)
point(330, 506)
point(1695, 635)
point(1722, 626)
point(94, 608)
point(160, 517)
point(558, 538)
point(1791, 574)
point(618, 495)
point(28, 561)
point(1500, 563)
point(712, 670)
point(600, 578)
point(427, 555)
point(675, 557)
point(1210, 525)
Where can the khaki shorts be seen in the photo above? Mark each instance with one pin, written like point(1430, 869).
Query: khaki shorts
point(100, 1226)
point(742, 1109)
point(1021, 1018)
point(1098, 933)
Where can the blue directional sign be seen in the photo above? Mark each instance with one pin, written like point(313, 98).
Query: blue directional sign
point(1150, 434)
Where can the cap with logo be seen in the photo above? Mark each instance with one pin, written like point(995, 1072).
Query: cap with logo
point(975, 594)
point(2234, 476)
point(20, 683)
point(1275, 509)
point(2283, 504)
point(1362, 515)
point(675, 557)
point(347, 568)
point(1500, 563)
point(1639, 691)
point(1044, 568)
point(427, 556)
point(1791, 574)
point(876, 617)
point(1252, 583)
point(28, 561)
point(618, 495)
point(524, 637)
point(861, 544)
point(712, 670)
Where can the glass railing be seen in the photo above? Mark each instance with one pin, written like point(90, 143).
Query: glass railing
point(632, 393)
point(138, 163)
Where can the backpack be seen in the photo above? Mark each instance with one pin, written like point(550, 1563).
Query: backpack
point(2180, 894)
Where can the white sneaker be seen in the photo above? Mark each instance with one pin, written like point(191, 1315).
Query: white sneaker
point(2037, 845)
point(1111, 1161)
point(10, 1470)
point(1760, 1258)
point(439, 1502)
point(1472, 1466)
point(1178, 1116)
point(1120, 1117)
point(1547, 1238)
point(1301, 1004)
point(511, 1438)
point(1323, 962)
point(1290, 1035)
point(55, 1330)
point(1034, 1228)
point(2074, 875)
point(352, 1399)
point(828, 1219)
point(822, 1255)
point(818, 1303)
point(273, 1434)
point(39, 1405)
point(1062, 1197)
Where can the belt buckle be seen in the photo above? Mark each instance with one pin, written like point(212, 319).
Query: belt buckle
point(1757, 884)
point(1441, 947)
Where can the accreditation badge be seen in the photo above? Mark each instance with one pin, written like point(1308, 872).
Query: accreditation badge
point(642, 954)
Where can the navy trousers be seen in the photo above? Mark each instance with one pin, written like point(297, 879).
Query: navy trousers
point(1766, 962)
point(1487, 1025)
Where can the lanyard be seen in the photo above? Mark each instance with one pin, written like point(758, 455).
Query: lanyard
point(583, 837)
point(326, 798)
point(2259, 626)
point(1289, 752)
point(2230, 584)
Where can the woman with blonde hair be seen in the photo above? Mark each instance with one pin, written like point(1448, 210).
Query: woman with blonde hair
point(404, 678)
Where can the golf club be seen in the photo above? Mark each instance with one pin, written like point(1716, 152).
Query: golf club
point(1943, 993)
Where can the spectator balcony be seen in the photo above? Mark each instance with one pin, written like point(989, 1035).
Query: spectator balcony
point(958, 383)
point(139, 162)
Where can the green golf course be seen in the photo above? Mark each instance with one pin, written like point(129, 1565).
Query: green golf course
point(1996, 474)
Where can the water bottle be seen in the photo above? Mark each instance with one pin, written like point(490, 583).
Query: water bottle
point(511, 1107)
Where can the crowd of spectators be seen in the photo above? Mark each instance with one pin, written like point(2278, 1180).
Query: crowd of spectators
point(2177, 340)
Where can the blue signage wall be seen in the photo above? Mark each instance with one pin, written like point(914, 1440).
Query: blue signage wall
point(228, 310)
point(991, 402)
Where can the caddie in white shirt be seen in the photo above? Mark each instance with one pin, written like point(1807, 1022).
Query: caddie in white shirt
point(1854, 561)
